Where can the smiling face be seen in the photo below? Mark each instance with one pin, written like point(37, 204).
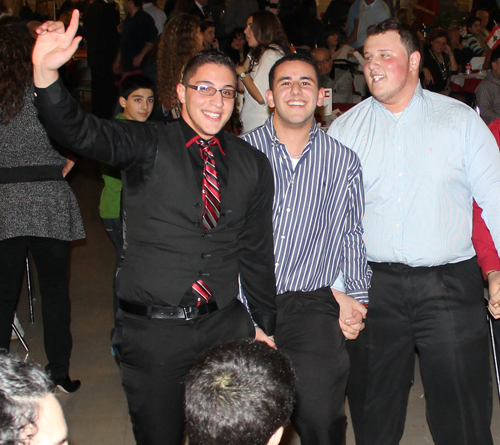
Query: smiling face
point(139, 104)
point(295, 94)
point(439, 45)
point(390, 73)
point(207, 115)
point(249, 35)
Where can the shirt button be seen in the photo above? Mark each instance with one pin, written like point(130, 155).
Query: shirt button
point(399, 148)
point(196, 223)
point(400, 174)
point(282, 237)
point(399, 199)
point(197, 204)
point(397, 226)
point(289, 209)
point(276, 264)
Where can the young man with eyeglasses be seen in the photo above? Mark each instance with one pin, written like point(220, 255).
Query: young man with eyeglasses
point(197, 206)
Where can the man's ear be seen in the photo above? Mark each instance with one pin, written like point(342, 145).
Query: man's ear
point(321, 97)
point(276, 437)
point(123, 102)
point(415, 61)
point(270, 98)
point(181, 93)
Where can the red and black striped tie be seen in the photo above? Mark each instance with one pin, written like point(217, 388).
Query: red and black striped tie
point(211, 203)
point(210, 189)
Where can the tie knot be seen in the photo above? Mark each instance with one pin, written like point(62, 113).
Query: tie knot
point(206, 144)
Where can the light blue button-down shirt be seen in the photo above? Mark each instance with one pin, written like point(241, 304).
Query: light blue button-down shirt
point(420, 174)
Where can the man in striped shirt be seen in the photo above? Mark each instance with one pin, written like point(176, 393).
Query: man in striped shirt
point(317, 212)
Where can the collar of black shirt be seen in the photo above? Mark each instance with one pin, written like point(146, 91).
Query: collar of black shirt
point(190, 136)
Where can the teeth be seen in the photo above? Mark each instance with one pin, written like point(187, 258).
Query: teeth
point(212, 115)
point(296, 103)
point(378, 77)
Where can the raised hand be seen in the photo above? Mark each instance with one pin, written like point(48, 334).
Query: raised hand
point(54, 47)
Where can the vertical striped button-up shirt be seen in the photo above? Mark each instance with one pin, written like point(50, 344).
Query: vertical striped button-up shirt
point(420, 173)
point(317, 213)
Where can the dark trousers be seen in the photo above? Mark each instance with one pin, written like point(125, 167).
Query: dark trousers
point(104, 91)
point(155, 357)
point(52, 264)
point(308, 331)
point(440, 312)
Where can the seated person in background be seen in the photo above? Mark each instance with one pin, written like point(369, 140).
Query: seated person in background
point(483, 33)
point(488, 91)
point(439, 62)
point(239, 393)
point(462, 55)
point(136, 97)
point(29, 413)
point(341, 84)
point(473, 25)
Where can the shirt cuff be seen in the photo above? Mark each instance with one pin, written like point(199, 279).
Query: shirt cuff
point(490, 262)
point(360, 295)
point(51, 95)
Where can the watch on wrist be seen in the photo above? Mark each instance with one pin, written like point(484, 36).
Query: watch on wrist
point(243, 75)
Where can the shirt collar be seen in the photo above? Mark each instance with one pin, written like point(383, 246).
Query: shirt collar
point(417, 95)
point(190, 136)
point(269, 126)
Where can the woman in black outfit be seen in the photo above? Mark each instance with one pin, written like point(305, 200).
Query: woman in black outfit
point(439, 62)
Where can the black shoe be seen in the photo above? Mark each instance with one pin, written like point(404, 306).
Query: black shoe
point(67, 385)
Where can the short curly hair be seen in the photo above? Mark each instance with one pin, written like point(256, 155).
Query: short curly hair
point(16, 72)
point(22, 387)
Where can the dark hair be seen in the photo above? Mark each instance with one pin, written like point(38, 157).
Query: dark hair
point(267, 30)
point(239, 393)
point(137, 3)
point(22, 387)
point(436, 33)
point(207, 56)
point(327, 31)
point(409, 38)
point(205, 24)
point(179, 42)
point(238, 31)
point(16, 71)
point(495, 54)
point(471, 20)
point(293, 57)
point(134, 82)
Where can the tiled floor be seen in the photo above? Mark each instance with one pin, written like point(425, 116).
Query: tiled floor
point(97, 413)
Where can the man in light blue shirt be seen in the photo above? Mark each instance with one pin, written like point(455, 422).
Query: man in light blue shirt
point(424, 158)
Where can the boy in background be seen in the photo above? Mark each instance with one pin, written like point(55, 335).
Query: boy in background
point(136, 97)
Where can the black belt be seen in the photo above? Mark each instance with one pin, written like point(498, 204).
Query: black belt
point(31, 173)
point(168, 312)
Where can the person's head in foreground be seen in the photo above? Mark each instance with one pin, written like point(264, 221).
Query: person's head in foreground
point(29, 413)
point(137, 97)
point(392, 60)
point(207, 92)
point(239, 393)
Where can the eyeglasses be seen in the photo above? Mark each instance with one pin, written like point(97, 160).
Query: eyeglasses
point(205, 90)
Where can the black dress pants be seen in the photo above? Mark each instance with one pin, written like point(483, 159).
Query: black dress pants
point(308, 331)
point(155, 357)
point(440, 312)
point(52, 264)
